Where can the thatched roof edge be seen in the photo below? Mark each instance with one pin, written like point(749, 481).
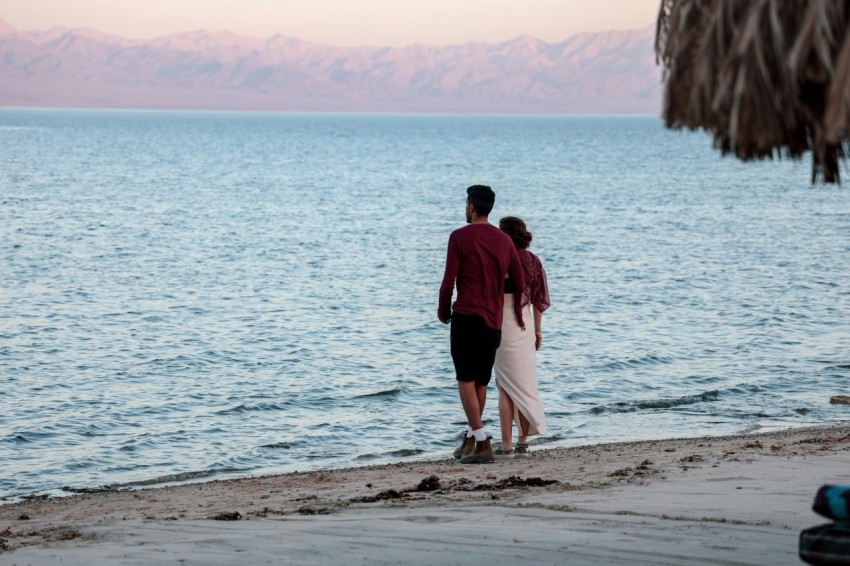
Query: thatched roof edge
point(766, 77)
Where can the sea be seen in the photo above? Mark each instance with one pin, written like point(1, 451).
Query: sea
point(204, 295)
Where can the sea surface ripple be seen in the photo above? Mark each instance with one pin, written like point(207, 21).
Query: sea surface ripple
point(196, 295)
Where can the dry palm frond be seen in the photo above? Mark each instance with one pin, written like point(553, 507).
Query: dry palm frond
point(766, 77)
point(837, 115)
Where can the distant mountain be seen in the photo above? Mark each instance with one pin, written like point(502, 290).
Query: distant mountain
point(612, 72)
point(6, 27)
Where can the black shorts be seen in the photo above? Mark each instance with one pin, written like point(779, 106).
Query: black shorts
point(474, 346)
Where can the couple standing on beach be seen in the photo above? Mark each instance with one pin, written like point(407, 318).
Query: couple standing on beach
point(499, 282)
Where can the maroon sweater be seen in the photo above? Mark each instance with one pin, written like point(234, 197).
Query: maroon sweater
point(478, 258)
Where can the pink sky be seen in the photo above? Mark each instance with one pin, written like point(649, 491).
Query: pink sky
point(340, 22)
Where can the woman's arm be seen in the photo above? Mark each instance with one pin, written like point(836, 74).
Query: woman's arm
point(538, 328)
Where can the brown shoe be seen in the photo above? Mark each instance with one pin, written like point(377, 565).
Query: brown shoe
point(465, 447)
point(482, 454)
point(458, 453)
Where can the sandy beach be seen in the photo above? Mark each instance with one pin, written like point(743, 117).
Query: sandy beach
point(714, 500)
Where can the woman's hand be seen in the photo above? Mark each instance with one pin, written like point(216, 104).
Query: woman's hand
point(538, 326)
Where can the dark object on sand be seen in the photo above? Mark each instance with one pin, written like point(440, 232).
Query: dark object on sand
point(431, 483)
point(514, 482)
point(766, 78)
point(840, 400)
point(830, 543)
point(384, 495)
point(227, 516)
point(826, 544)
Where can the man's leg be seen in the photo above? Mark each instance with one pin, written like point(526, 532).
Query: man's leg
point(472, 397)
point(464, 343)
point(481, 392)
point(472, 355)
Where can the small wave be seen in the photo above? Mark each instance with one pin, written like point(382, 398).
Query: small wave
point(386, 393)
point(5, 128)
point(837, 214)
point(243, 408)
point(173, 478)
point(637, 362)
point(28, 437)
point(403, 453)
point(552, 437)
point(282, 445)
point(649, 404)
point(88, 489)
point(143, 441)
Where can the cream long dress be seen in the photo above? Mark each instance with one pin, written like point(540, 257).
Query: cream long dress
point(516, 367)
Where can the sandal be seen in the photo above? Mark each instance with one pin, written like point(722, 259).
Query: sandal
point(500, 452)
point(521, 448)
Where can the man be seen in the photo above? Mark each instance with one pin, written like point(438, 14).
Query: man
point(479, 258)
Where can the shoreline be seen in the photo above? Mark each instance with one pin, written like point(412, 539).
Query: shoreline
point(688, 489)
point(211, 476)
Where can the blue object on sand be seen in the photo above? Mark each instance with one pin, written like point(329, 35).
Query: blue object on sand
point(833, 502)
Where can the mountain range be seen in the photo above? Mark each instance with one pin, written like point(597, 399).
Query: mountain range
point(611, 72)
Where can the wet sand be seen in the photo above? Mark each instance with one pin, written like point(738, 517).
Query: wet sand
point(715, 500)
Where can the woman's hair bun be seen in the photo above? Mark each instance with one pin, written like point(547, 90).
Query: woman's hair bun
point(515, 228)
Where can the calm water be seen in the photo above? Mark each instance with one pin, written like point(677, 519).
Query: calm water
point(190, 295)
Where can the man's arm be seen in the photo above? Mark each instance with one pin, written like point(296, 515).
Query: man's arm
point(444, 309)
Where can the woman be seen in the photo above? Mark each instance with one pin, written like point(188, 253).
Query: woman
point(516, 358)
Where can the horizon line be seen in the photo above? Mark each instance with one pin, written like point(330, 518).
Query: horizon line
point(337, 112)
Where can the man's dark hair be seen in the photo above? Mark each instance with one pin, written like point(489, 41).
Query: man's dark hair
point(482, 198)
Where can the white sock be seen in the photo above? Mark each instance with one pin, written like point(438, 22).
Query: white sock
point(480, 435)
point(469, 432)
